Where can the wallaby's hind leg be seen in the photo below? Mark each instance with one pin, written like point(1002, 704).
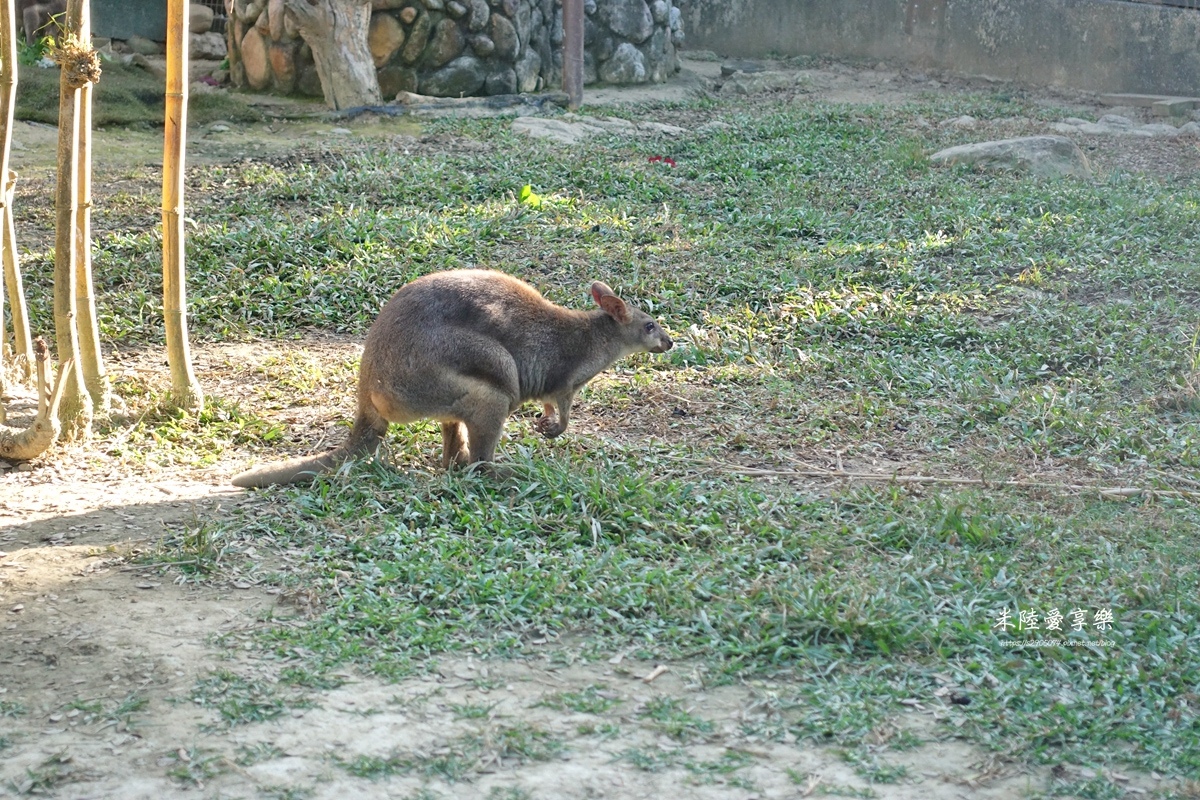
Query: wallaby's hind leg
point(454, 445)
point(484, 416)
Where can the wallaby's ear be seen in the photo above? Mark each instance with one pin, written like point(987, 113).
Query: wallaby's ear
point(613, 306)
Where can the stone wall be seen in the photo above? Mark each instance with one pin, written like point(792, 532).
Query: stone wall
point(1097, 45)
point(455, 48)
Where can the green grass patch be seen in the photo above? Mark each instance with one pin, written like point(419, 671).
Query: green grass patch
point(125, 96)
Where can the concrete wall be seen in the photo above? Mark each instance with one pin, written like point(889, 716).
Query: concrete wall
point(120, 19)
point(1098, 45)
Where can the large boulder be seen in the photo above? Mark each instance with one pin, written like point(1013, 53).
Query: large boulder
point(627, 65)
point(384, 38)
point(1047, 156)
point(629, 19)
point(461, 77)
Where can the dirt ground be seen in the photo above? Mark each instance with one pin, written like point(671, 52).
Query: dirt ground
point(100, 657)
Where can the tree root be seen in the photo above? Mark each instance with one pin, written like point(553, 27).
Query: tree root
point(22, 445)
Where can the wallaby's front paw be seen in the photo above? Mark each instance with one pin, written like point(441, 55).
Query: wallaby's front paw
point(549, 426)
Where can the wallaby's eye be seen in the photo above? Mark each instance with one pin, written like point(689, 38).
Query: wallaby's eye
point(649, 327)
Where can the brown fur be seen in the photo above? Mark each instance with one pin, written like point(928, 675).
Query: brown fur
point(467, 348)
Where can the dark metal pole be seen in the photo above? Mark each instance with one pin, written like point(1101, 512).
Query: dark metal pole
point(573, 52)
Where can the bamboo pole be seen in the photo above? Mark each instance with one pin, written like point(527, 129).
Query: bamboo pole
point(185, 389)
point(10, 274)
point(91, 361)
point(76, 409)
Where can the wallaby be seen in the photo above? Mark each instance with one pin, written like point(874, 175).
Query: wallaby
point(467, 348)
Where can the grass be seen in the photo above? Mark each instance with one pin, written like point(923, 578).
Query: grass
point(240, 701)
point(462, 757)
point(834, 299)
point(125, 96)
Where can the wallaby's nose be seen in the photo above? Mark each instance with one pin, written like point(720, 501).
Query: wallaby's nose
point(665, 345)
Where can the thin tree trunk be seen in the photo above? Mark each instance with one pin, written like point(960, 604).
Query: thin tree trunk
point(185, 389)
point(22, 342)
point(76, 409)
point(90, 359)
point(573, 52)
point(336, 30)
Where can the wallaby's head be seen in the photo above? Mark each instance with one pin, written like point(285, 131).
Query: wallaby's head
point(640, 329)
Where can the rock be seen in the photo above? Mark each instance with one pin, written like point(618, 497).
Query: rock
point(1077, 121)
point(479, 15)
point(660, 128)
point(418, 37)
point(446, 45)
point(456, 9)
point(387, 5)
point(523, 20)
point(433, 5)
point(407, 15)
point(461, 77)
point(503, 82)
point(252, 12)
point(394, 80)
point(716, 126)
point(660, 11)
point(282, 56)
point(1046, 156)
point(263, 23)
point(384, 38)
point(291, 27)
point(676, 25)
point(207, 46)
point(555, 130)
point(629, 19)
point(482, 45)
point(1190, 129)
point(309, 82)
point(200, 18)
point(743, 83)
point(626, 66)
point(144, 46)
point(1115, 121)
point(1160, 130)
point(255, 60)
point(139, 60)
point(735, 66)
point(528, 70)
point(965, 122)
point(504, 35)
point(275, 11)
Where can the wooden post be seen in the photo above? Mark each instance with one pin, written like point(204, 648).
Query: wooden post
point(573, 52)
point(185, 389)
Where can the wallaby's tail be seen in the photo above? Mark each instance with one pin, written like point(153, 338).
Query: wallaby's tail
point(364, 439)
